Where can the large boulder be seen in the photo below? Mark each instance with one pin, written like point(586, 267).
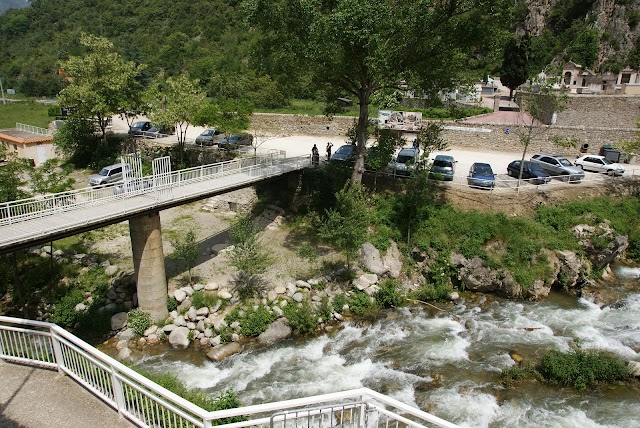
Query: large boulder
point(220, 352)
point(118, 321)
point(277, 330)
point(369, 258)
point(600, 243)
point(475, 276)
point(179, 338)
point(392, 261)
point(573, 272)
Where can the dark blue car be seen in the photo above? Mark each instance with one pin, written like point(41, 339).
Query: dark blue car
point(531, 172)
point(481, 175)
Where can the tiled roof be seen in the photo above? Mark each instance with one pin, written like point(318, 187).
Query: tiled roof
point(23, 137)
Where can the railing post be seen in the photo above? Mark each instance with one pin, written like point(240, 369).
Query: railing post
point(57, 350)
point(118, 392)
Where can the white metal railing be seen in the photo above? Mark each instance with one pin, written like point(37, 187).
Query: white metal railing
point(32, 129)
point(251, 169)
point(150, 405)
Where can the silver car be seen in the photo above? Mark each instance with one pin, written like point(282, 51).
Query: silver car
point(599, 164)
point(109, 174)
point(558, 165)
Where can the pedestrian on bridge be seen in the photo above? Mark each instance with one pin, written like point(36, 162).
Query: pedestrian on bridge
point(315, 155)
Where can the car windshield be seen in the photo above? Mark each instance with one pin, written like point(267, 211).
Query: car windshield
point(138, 125)
point(104, 172)
point(404, 158)
point(607, 161)
point(483, 170)
point(345, 150)
point(207, 133)
point(564, 162)
point(442, 163)
point(534, 167)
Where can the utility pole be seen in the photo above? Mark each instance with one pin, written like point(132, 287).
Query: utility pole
point(4, 101)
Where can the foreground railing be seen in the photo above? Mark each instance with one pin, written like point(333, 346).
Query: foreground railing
point(149, 405)
point(252, 168)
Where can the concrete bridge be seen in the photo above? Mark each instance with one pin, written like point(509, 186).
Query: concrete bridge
point(139, 200)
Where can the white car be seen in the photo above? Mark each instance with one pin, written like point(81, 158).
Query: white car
point(599, 164)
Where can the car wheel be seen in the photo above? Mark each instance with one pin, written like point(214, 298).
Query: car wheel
point(611, 172)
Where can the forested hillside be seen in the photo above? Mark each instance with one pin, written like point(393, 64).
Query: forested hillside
point(12, 4)
point(210, 40)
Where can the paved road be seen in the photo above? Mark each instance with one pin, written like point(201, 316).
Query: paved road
point(33, 398)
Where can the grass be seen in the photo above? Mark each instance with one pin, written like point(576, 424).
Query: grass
point(29, 113)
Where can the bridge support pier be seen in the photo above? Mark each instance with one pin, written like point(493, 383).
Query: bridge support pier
point(148, 262)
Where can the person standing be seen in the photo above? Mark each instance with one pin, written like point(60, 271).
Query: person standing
point(329, 145)
point(315, 155)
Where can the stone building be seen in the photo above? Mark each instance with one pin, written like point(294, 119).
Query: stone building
point(29, 142)
point(581, 80)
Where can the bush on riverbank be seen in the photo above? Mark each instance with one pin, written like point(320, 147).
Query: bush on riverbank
point(578, 369)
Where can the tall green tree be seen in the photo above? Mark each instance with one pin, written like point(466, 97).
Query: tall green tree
point(102, 84)
point(515, 63)
point(365, 46)
point(586, 47)
point(230, 116)
point(12, 183)
point(176, 101)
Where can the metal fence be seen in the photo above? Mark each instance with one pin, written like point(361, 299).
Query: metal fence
point(149, 405)
point(32, 129)
point(250, 168)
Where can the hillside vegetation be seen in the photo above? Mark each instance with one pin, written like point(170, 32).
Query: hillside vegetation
point(211, 41)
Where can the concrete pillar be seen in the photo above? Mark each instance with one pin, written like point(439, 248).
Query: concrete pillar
point(148, 262)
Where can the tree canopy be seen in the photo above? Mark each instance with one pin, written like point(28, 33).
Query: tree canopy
point(515, 64)
point(363, 47)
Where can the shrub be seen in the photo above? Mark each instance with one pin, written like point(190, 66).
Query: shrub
point(172, 304)
point(582, 368)
point(139, 320)
point(324, 310)
point(360, 304)
point(430, 292)
point(388, 295)
point(514, 373)
point(64, 313)
point(203, 299)
point(339, 300)
point(255, 321)
point(301, 318)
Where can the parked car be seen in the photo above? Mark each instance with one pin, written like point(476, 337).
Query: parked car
point(443, 168)
point(481, 175)
point(558, 165)
point(344, 153)
point(142, 128)
point(531, 171)
point(235, 140)
point(405, 162)
point(208, 137)
point(599, 164)
point(136, 185)
point(109, 174)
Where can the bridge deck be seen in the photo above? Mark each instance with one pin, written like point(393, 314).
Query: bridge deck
point(72, 212)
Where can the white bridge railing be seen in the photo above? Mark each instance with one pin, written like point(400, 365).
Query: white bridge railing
point(150, 405)
point(32, 129)
point(158, 187)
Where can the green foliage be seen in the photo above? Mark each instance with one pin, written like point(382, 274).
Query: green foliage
point(186, 249)
point(515, 64)
point(301, 318)
point(64, 313)
point(581, 369)
point(381, 153)
point(12, 182)
point(345, 226)
point(49, 177)
point(138, 320)
point(204, 299)
point(516, 373)
point(247, 254)
point(388, 294)
point(172, 304)
point(23, 112)
point(360, 304)
point(339, 300)
point(253, 321)
point(430, 292)
point(585, 48)
point(324, 310)
point(230, 116)
point(308, 251)
point(77, 141)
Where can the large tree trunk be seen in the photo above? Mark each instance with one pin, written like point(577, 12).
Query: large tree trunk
point(361, 133)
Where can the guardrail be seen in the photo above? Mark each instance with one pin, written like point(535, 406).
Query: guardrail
point(255, 167)
point(150, 405)
point(32, 129)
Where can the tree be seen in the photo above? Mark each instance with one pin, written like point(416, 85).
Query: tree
point(345, 226)
point(102, 82)
point(586, 47)
point(539, 106)
point(366, 46)
point(11, 177)
point(515, 64)
point(247, 256)
point(230, 116)
point(176, 101)
point(50, 177)
point(186, 249)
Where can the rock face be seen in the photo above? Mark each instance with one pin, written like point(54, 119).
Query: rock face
point(220, 352)
point(279, 329)
point(179, 338)
point(477, 277)
point(118, 321)
point(600, 243)
point(370, 259)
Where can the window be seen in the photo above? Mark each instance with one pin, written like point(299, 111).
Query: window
point(626, 78)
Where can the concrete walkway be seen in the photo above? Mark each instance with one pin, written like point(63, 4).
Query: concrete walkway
point(31, 397)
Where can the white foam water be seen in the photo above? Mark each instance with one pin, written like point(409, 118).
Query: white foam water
point(437, 364)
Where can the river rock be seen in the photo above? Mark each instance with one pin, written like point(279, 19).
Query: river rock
point(369, 258)
point(303, 284)
point(179, 295)
point(212, 286)
point(151, 330)
point(127, 334)
point(80, 307)
point(169, 328)
point(153, 339)
point(179, 338)
point(124, 354)
point(202, 312)
point(279, 312)
point(517, 358)
point(200, 326)
point(392, 261)
point(291, 289)
point(191, 314)
point(198, 287)
point(180, 321)
point(360, 284)
point(477, 277)
point(215, 341)
point(298, 297)
point(454, 295)
point(280, 289)
point(225, 295)
point(191, 325)
point(220, 352)
point(118, 321)
point(111, 270)
point(272, 295)
point(573, 272)
point(634, 368)
point(277, 330)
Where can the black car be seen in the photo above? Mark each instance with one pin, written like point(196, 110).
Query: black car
point(531, 171)
point(235, 140)
point(208, 137)
point(142, 128)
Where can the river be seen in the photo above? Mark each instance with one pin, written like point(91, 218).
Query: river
point(429, 359)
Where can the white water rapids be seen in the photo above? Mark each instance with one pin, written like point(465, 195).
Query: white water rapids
point(434, 362)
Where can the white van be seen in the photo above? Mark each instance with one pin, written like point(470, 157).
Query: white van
point(109, 174)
